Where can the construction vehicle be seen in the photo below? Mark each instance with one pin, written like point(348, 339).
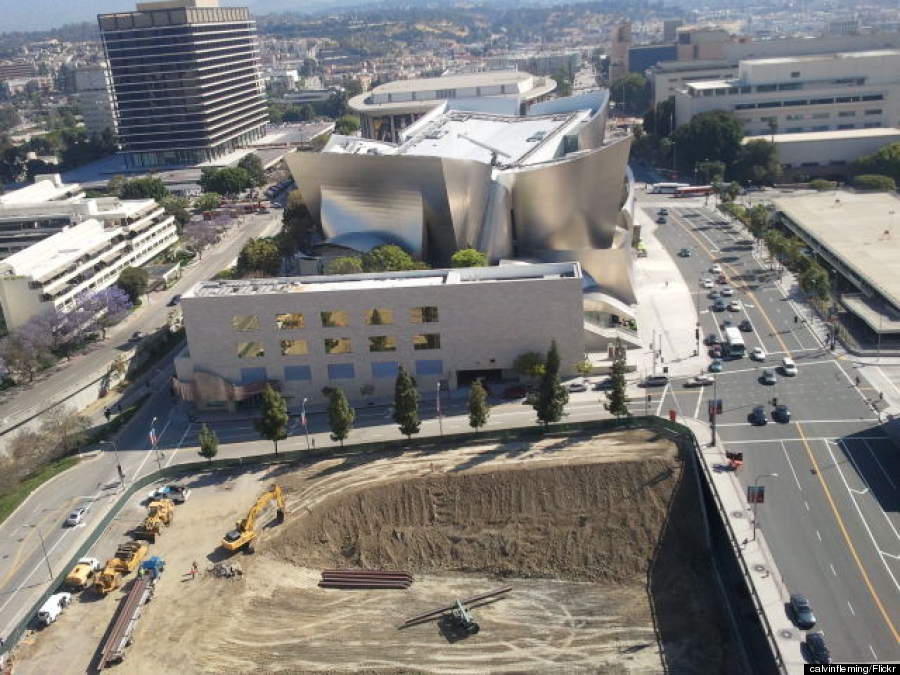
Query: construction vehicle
point(121, 632)
point(159, 513)
point(244, 534)
point(128, 556)
point(459, 621)
point(82, 573)
point(462, 619)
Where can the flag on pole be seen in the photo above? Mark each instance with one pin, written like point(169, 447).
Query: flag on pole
point(153, 437)
point(303, 417)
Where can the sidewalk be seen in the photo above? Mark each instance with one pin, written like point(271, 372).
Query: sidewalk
point(770, 594)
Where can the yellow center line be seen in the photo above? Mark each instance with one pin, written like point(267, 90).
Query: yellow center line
point(849, 542)
point(812, 459)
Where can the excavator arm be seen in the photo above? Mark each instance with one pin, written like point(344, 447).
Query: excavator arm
point(245, 530)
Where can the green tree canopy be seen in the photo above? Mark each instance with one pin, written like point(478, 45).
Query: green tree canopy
point(631, 92)
point(273, 422)
point(757, 163)
point(134, 281)
point(209, 443)
point(869, 181)
point(340, 415)
point(468, 257)
point(259, 257)
point(709, 136)
point(659, 119)
point(228, 181)
point(711, 171)
point(345, 265)
point(252, 164)
point(388, 258)
point(208, 201)
point(177, 207)
point(530, 364)
point(346, 125)
point(479, 410)
point(884, 162)
point(552, 397)
point(297, 225)
point(143, 188)
point(617, 401)
point(406, 403)
point(814, 280)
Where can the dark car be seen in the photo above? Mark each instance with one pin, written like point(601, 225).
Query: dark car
point(712, 339)
point(175, 300)
point(656, 381)
point(758, 416)
point(719, 306)
point(515, 391)
point(604, 385)
point(136, 336)
point(818, 650)
point(781, 413)
point(746, 326)
point(663, 211)
point(802, 612)
point(684, 253)
point(661, 220)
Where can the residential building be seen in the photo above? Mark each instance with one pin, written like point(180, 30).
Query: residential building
point(850, 90)
point(301, 334)
point(93, 89)
point(55, 244)
point(186, 81)
point(827, 153)
point(389, 108)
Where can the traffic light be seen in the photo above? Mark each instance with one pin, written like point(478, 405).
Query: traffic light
point(696, 333)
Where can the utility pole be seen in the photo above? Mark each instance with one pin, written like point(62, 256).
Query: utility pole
point(154, 439)
point(715, 408)
point(115, 447)
point(44, 549)
point(303, 421)
point(756, 499)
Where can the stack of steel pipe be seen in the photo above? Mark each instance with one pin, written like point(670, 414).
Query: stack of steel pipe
point(376, 579)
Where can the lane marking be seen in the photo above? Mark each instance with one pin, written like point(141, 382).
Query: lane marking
point(833, 571)
point(819, 535)
point(150, 449)
point(874, 655)
point(180, 443)
point(797, 440)
point(887, 379)
point(851, 608)
point(662, 398)
point(866, 483)
point(790, 464)
point(699, 400)
point(806, 504)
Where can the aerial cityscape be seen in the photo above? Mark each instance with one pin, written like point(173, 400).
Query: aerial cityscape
point(471, 337)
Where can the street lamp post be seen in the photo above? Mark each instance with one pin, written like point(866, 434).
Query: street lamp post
point(115, 447)
point(154, 440)
point(303, 421)
point(715, 408)
point(438, 399)
point(44, 549)
point(756, 501)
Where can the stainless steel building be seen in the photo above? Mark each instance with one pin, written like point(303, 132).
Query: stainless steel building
point(186, 80)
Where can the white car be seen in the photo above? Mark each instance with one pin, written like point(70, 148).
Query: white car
point(735, 306)
point(716, 269)
point(54, 606)
point(788, 367)
point(77, 516)
point(727, 291)
point(758, 354)
point(707, 283)
point(699, 381)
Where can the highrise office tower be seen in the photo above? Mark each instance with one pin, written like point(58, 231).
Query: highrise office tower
point(186, 80)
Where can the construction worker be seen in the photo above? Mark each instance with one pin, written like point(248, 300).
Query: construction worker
point(193, 569)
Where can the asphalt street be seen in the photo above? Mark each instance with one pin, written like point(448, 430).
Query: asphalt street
point(831, 516)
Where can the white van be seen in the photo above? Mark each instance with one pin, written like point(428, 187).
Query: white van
point(54, 606)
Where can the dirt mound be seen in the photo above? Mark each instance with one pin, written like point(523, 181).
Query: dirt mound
point(585, 522)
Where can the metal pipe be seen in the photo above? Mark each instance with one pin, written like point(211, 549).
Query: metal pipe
point(467, 601)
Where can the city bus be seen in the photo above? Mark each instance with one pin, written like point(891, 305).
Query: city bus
point(667, 188)
point(734, 343)
point(694, 191)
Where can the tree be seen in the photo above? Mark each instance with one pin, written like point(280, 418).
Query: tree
point(479, 410)
point(759, 218)
point(617, 401)
point(406, 403)
point(468, 257)
point(552, 396)
point(143, 188)
point(23, 356)
point(177, 207)
point(115, 184)
point(659, 120)
point(272, 425)
point(631, 92)
point(814, 280)
point(109, 307)
point(563, 83)
point(209, 443)
point(530, 364)
point(757, 162)
point(714, 135)
point(388, 258)
point(340, 415)
point(252, 164)
point(821, 185)
point(345, 265)
point(134, 281)
point(884, 162)
point(198, 234)
point(307, 113)
point(869, 181)
point(259, 257)
point(583, 367)
point(298, 227)
point(711, 171)
point(208, 201)
point(346, 125)
point(228, 181)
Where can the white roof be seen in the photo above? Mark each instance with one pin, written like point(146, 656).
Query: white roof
point(42, 190)
point(463, 81)
point(874, 53)
point(59, 250)
point(875, 132)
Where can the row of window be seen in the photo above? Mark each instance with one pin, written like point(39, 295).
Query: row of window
point(342, 345)
point(378, 316)
point(344, 371)
point(782, 86)
point(812, 101)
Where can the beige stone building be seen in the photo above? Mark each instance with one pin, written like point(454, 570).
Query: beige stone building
point(301, 334)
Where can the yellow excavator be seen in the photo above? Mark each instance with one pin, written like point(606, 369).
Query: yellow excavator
point(244, 534)
point(159, 512)
point(128, 556)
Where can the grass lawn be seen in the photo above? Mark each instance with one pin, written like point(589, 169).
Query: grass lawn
point(11, 500)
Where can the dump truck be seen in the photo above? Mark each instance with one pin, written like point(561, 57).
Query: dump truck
point(128, 556)
point(244, 534)
point(121, 631)
point(82, 574)
point(159, 513)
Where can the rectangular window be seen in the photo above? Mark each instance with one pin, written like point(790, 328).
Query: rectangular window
point(846, 126)
point(765, 87)
point(822, 128)
point(427, 341)
point(337, 345)
point(873, 111)
point(335, 319)
point(821, 116)
point(297, 373)
point(423, 315)
point(770, 104)
point(822, 101)
point(253, 375)
point(385, 369)
point(789, 86)
point(340, 371)
point(745, 106)
point(250, 350)
point(242, 322)
point(796, 73)
point(429, 367)
point(382, 343)
point(289, 321)
point(872, 125)
point(379, 317)
point(847, 113)
point(873, 97)
point(294, 347)
point(797, 102)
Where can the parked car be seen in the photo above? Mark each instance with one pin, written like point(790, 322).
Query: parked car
point(577, 386)
point(788, 367)
point(656, 381)
point(758, 416)
point(604, 385)
point(715, 366)
point(758, 354)
point(735, 306)
point(661, 220)
point(816, 648)
point(77, 516)
point(713, 294)
point(177, 493)
point(712, 339)
point(768, 376)
point(727, 291)
point(663, 211)
point(716, 268)
point(699, 381)
point(137, 336)
point(781, 413)
point(722, 279)
point(707, 283)
point(746, 326)
point(685, 253)
point(50, 610)
point(175, 300)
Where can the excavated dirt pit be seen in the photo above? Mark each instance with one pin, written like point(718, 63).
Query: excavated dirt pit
point(600, 538)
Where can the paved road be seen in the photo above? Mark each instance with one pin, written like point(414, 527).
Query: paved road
point(831, 517)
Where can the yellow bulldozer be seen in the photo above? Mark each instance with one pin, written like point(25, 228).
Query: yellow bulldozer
point(245, 534)
point(159, 512)
point(128, 556)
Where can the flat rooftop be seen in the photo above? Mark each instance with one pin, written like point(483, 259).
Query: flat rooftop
point(57, 251)
point(836, 135)
point(461, 81)
point(862, 230)
point(40, 191)
point(385, 280)
point(812, 58)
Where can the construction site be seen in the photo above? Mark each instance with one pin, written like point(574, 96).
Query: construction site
point(572, 552)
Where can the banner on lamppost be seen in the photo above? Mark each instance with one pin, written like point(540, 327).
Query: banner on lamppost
point(756, 494)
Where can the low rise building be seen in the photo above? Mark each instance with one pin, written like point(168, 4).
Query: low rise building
point(354, 331)
point(822, 153)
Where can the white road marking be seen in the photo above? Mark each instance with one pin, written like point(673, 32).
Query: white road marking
point(808, 438)
point(806, 504)
point(749, 370)
point(180, 443)
point(851, 608)
point(819, 535)
point(790, 464)
point(150, 449)
point(833, 571)
point(861, 419)
point(699, 401)
point(41, 564)
point(661, 399)
point(866, 483)
point(874, 655)
point(887, 379)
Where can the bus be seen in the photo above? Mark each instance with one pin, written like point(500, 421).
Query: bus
point(694, 191)
point(734, 343)
point(667, 188)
